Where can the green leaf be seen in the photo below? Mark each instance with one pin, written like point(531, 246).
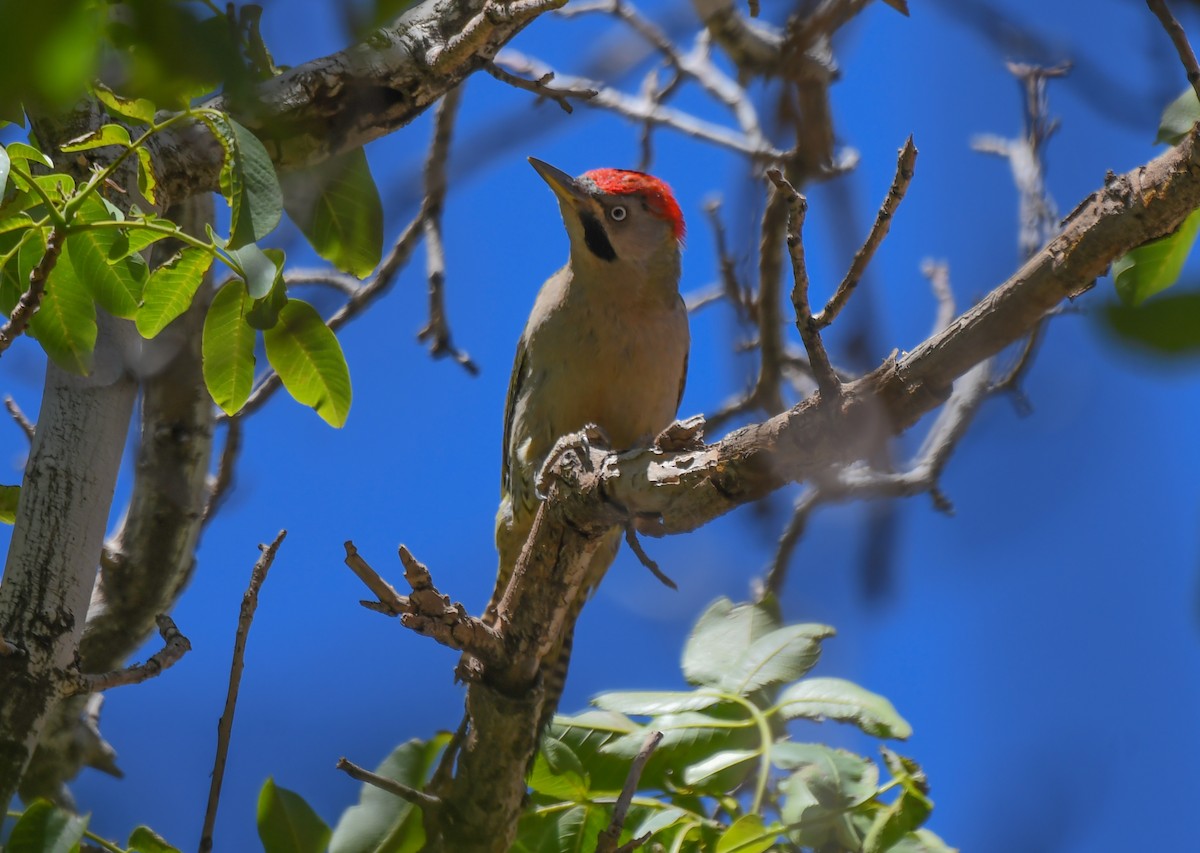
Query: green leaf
point(715, 763)
point(108, 134)
point(248, 182)
point(1179, 117)
point(382, 822)
point(146, 840)
point(845, 702)
point(308, 358)
point(45, 828)
point(227, 349)
point(170, 290)
point(746, 835)
point(115, 285)
point(147, 183)
point(892, 824)
point(833, 778)
point(134, 239)
point(1155, 266)
point(65, 325)
point(1168, 326)
point(287, 824)
point(651, 703)
point(263, 313)
point(336, 206)
point(14, 273)
point(587, 734)
point(22, 151)
point(558, 772)
point(260, 269)
point(575, 830)
point(137, 109)
point(5, 165)
point(817, 797)
point(781, 656)
point(9, 496)
point(722, 635)
point(921, 841)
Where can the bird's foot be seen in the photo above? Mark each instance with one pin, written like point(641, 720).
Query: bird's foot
point(579, 445)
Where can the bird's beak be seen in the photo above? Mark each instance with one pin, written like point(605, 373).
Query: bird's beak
point(564, 186)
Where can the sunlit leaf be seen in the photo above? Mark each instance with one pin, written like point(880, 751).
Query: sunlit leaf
point(5, 165)
point(65, 325)
point(845, 702)
point(746, 835)
point(701, 771)
point(260, 268)
point(558, 772)
point(108, 134)
point(170, 290)
point(782, 655)
point(721, 636)
point(45, 828)
point(227, 346)
point(905, 814)
point(115, 285)
point(309, 360)
point(650, 703)
point(1155, 266)
point(138, 109)
point(287, 824)
point(336, 206)
point(382, 822)
point(146, 840)
point(22, 151)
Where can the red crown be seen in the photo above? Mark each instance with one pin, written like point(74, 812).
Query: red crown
point(657, 194)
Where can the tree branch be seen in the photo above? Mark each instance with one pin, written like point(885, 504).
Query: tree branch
point(340, 102)
point(590, 490)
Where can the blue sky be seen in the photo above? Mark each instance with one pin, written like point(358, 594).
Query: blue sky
point(1042, 641)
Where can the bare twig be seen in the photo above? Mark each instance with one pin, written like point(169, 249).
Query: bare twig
point(221, 484)
point(828, 383)
point(225, 725)
point(427, 611)
point(540, 87)
point(938, 273)
point(607, 843)
point(347, 285)
point(31, 299)
point(1179, 38)
point(883, 221)
point(175, 646)
point(383, 783)
point(437, 330)
point(641, 109)
point(393, 602)
point(809, 499)
point(23, 422)
point(636, 547)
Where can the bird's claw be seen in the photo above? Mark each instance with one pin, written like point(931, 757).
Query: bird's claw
point(587, 439)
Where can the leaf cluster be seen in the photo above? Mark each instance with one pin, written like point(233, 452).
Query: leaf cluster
point(1169, 324)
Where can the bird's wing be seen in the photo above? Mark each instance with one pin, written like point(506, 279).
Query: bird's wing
point(510, 405)
point(686, 353)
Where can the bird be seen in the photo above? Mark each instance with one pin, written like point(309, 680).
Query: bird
point(606, 344)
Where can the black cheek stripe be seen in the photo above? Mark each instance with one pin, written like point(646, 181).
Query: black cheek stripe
point(596, 239)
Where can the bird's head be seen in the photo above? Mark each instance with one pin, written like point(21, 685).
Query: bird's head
point(617, 216)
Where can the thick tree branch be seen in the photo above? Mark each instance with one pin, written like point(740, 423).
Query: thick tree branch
point(340, 102)
point(590, 490)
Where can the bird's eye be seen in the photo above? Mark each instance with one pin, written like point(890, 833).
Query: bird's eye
point(618, 213)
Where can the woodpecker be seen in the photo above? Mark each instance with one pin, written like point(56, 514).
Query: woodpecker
point(605, 344)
